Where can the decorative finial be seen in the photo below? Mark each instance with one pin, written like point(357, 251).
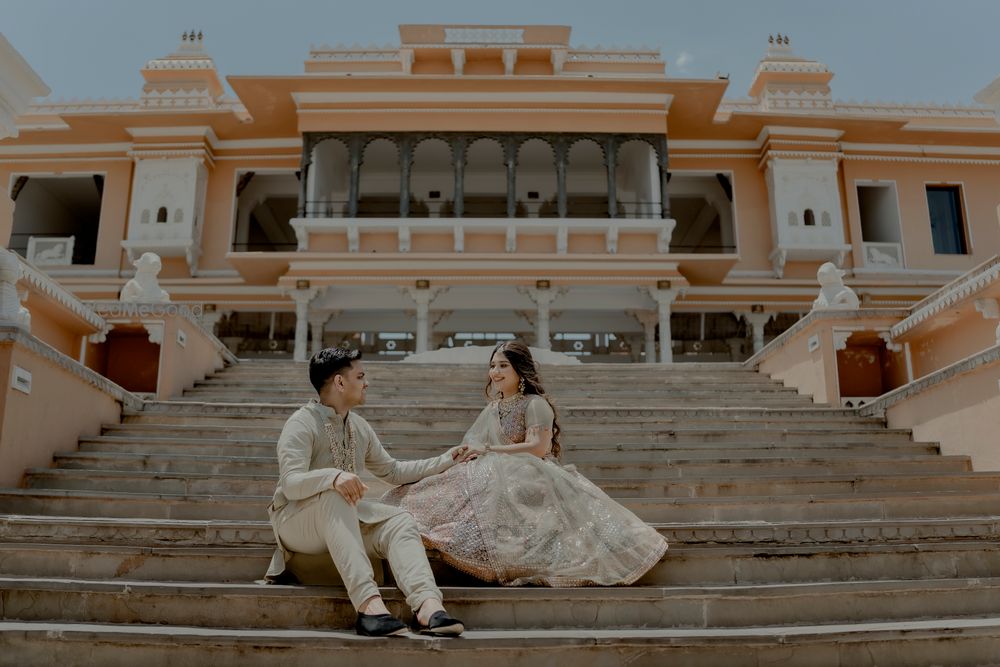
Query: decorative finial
point(779, 38)
point(770, 39)
point(200, 36)
point(184, 36)
point(786, 40)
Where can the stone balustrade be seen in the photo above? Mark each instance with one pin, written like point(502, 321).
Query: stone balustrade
point(457, 228)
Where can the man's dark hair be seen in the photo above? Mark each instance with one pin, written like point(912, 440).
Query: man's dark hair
point(329, 362)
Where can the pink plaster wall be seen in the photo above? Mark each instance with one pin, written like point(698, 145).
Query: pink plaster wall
point(962, 414)
point(53, 331)
point(60, 409)
point(949, 344)
point(980, 200)
point(181, 367)
point(811, 373)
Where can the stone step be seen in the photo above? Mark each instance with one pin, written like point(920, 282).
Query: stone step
point(454, 419)
point(253, 606)
point(703, 565)
point(559, 391)
point(189, 456)
point(228, 482)
point(842, 507)
point(571, 449)
point(733, 401)
point(653, 453)
point(956, 642)
point(671, 433)
point(203, 533)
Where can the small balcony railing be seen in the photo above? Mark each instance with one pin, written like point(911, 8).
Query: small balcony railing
point(482, 207)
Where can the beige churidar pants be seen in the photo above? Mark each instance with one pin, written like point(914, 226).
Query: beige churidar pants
point(331, 525)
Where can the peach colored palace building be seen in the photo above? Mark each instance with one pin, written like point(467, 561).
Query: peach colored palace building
point(478, 182)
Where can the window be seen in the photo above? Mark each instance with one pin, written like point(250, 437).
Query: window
point(53, 208)
point(944, 203)
point(809, 218)
point(161, 214)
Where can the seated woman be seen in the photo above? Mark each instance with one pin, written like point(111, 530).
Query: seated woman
point(514, 515)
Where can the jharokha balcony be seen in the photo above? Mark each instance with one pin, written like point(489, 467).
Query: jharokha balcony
point(597, 196)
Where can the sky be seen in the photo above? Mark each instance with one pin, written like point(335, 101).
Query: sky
point(879, 50)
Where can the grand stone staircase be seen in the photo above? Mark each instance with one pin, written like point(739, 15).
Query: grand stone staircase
point(799, 535)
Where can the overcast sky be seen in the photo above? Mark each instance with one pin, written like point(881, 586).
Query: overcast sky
point(893, 50)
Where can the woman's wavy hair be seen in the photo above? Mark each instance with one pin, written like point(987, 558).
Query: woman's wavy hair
point(519, 356)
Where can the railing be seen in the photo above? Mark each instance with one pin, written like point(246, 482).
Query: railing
point(511, 228)
point(480, 206)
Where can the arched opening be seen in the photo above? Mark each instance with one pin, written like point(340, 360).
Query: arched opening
point(378, 189)
point(535, 180)
point(637, 180)
point(432, 180)
point(586, 181)
point(329, 180)
point(809, 218)
point(161, 214)
point(485, 180)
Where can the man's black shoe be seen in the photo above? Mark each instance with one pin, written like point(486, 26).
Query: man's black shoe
point(440, 625)
point(379, 625)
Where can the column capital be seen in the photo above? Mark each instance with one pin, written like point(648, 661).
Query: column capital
point(424, 297)
point(320, 317)
point(647, 318)
point(754, 319)
point(664, 296)
point(300, 296)
point(542, 297)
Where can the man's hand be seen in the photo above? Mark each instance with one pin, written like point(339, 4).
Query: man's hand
point(463, 453)
point(350, 487)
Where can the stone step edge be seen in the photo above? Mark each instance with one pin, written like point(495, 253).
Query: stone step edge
point(883, 531)
point(264, 552)
point(596, 479)
point(495, 592)
point(728, 500)
point(150, 407)
point(680, 638)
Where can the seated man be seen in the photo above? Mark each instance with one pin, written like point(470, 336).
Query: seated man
point(318, 504)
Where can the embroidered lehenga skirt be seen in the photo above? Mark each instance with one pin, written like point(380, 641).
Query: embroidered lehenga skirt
point(517, 519)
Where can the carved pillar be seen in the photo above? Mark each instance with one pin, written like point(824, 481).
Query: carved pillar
point(611, 161)
point(543, 299)
point(648, 319)
point(664, 163)
point(308, 144)
point(12, 313)
point(355, 151)
point(458, 146)
point(510, 158)
point(405, 163)
point(302, 297)
point(317, 323)
point(211, 316)
point(664, 300)
point(756, 322)
point(423, 298)
point(561, 149)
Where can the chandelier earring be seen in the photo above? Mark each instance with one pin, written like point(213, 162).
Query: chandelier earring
point(520, 386)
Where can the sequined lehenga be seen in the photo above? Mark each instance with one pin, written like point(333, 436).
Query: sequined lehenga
point(518, 519)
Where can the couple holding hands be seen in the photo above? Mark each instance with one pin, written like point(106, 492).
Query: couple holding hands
point(499, 506)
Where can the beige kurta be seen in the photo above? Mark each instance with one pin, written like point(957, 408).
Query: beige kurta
point(306, 466)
